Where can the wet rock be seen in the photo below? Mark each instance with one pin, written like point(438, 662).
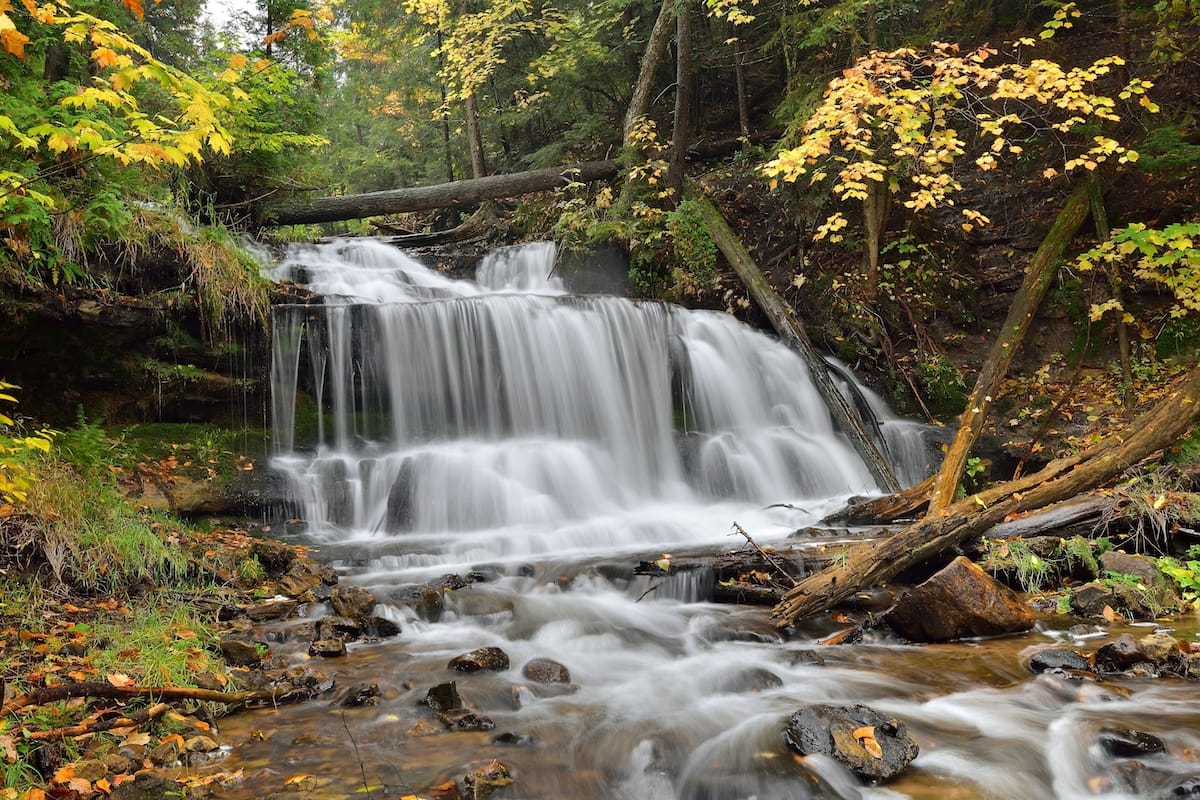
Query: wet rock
point(117, 764)
point(353, 602)
point(426, 602)
point(750, 679)
point(239, 653)
point(1058, 659)
point(1127, 743)
point(1144, 569)
point(342, 628)
point(147, 786)
point(1189, 788)
point(872, 745)
point(809, 657)
point(1158, 648)
point(200, 744)
point(303, 576)
point(360, 694)
point(521, 696)
point(276, 557)
point(464, 719)
point(1118, 655)
point(165, 753)
point(484, 658)
point(327, 648)
point(269, 610)
point(382, 628)
point(443, 697)
point(453, 582)
point(518, 739)
point(546, 670)
point(959, 601)
point(1189, 667)
point(483, 780)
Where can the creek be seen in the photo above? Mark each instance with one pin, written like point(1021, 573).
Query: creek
point(544, 443)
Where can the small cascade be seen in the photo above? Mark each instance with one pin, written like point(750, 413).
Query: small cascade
point(452, 406)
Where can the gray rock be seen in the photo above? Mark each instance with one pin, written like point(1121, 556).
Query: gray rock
point(872, 745)
point(1057, 659)
point(427, 602)
point(1118, 655)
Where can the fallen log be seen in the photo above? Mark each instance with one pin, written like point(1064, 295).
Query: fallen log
point(783, 320)
point(456, 194)
point(874, 564)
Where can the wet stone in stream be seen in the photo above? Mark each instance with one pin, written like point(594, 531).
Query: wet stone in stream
point(484, 658)
point(546, 670)
point(1125, 743)
point(872, 745)
point(1057, 659)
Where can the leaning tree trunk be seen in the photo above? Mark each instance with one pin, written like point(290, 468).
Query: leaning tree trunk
point(475, 137)
point(783, 319)
point(1038, 277)
point(656, 46)
point(455, 194)
point(683, 98)
point(875, 564)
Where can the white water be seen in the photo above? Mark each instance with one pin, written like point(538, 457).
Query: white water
point(553, 441)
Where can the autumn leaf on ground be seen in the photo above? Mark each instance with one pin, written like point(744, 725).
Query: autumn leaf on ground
point(119, 679)
point(865, 736)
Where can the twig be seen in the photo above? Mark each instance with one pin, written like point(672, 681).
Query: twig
point(361, 769)
point(770, 559)
point(652, 588)
point(65, 691)
point(99, 726)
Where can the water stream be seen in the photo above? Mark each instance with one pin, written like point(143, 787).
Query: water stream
point(548, 442)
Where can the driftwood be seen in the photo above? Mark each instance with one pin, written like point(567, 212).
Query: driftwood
point(874, 564)
point(456, 194)
point(1078, 515)
point(882, 510)
point(1039, 275)
point(783, 320)
point(65, 691)
point(99, 725)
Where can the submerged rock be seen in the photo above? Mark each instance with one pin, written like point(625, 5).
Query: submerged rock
point(546, 670)
point(484, 658)
point(327, 648)
point(872, 745)
point(443, 697)
point(485, 779)
point(959, 601)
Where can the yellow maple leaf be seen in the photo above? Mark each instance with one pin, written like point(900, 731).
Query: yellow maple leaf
point(237, 61)
point(11, 39)
point(104, 56)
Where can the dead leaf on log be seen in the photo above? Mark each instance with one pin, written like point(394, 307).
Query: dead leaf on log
point(865, 736)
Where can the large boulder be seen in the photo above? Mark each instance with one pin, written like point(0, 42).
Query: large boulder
point(959, 601)
point(872, 745)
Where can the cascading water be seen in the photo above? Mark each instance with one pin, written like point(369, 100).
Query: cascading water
point(547, 442)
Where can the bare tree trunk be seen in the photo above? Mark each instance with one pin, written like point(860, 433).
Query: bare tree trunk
point(1038, 277)
point(877, 563)
point(656, 46)
point(876, 206)
point(783, 319)
point(683, 98)
point(1100, 219)
point(743, 100)
point(474, 138)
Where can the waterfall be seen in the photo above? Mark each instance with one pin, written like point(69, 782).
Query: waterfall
point(448, 406)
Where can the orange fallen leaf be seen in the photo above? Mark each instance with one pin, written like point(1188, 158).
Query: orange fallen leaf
point(119, 679)
point(865, 736)
point(1111, 615)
